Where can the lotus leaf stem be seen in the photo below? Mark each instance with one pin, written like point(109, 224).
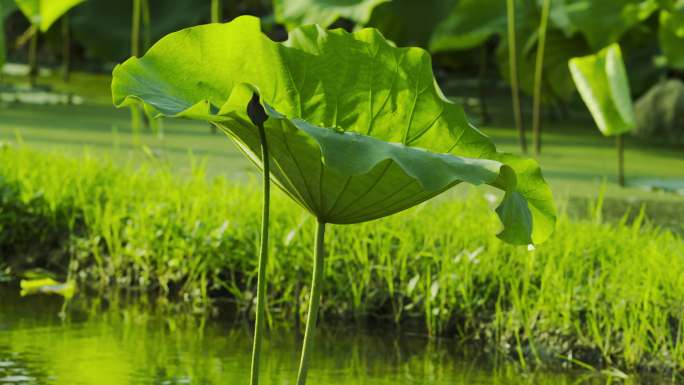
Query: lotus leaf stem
point(314, 302)
point(216, 11)
point(538, 72)
point(513, 67)
point(620, 141)
point(33, 58)
point(263, 251)
point(66, 48)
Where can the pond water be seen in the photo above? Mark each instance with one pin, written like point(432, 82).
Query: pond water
point(102, 342)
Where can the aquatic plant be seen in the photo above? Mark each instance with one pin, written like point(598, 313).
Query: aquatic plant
point(602, 22)
point(357, 129)
point(293, 13)
point(472, 23)
point(514, 73)
point(141, 21)
point(42, 14)
point(671, 33)
point(538, 73)
point(601, 80)
point(216, 11)
point(469, 24)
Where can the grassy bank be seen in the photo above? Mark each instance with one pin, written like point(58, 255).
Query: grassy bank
point(605, 293)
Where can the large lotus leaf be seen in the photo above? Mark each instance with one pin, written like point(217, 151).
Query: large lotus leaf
point(410, 22)
point(357, 128)
point(602, 22)
point(6, 6)
point(293, 13)
point(43, 13)
point(671, 36)
point(602, 82)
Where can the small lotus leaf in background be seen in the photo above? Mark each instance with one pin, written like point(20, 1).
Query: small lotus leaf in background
point(43, 13)
point(6, 7)
point(293, 13)
point(602, 82)
point(602, 22)
point(357, 128)
point(410, 22)
point(469, 24)
point(109, 38)
point(670, 4)
point(640, 56)
point(560, 19)
point(671, 36)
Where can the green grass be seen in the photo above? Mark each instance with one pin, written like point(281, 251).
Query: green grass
point(605, 293)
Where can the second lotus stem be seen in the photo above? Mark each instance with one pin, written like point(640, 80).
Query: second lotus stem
point(314, 302)
point(513, 68)
point(538, 74)
point(620, 144)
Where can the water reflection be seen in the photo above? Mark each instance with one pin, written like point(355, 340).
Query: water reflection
point(134, 344)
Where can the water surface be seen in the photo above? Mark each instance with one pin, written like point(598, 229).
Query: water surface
point(103, 342)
